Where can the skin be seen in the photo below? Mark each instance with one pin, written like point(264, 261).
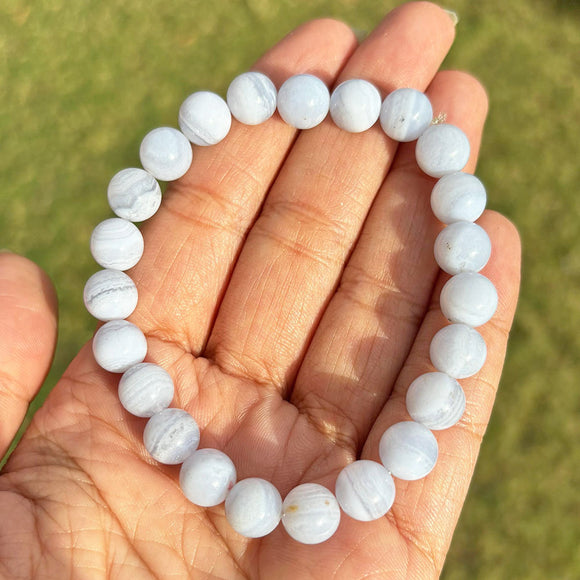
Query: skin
point(288, 286)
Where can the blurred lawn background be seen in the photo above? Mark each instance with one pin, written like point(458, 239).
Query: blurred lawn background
point(82, 81)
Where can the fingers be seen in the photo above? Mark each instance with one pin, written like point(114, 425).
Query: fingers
point(28, 321)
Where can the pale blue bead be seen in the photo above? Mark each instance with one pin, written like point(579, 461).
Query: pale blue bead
point(146, 389)
point(468, 298)
point(118, 345)
point(110, 294)
point(303, 101)
point(442, 149)
point(355, 105)
point(310, 513)
point(406, 114)
point(165, 153)
point(134, 194)
point(365, 490)
point(171, 436)
point(436, 400)
point(458, 197)
point(253, 507)
point(458, 350)
point(462, 247)
point(206, 477)
point(205, 118)
point(408, 450)
point(251, 98)
point(117, 244)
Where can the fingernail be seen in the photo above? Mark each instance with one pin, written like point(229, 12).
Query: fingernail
point(453, 15)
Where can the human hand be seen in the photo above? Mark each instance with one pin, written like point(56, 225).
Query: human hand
point(289, 288)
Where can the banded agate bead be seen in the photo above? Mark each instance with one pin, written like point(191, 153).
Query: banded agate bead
point(134, 194)
point(251, 98)
point(406, 114)
point(442, 149)
point(165, 153)
point(462, 247)
point(205, 118)
point(118, 345)
point(355, 105)
point(117, 244)
point(303, 101)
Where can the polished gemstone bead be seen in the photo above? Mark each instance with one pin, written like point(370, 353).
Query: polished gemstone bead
point(134, 194)
point(117, 244)
point(145, 389)
point(458, 350)
point(458, 197)
point(310, 513)
point(406, 114)
point(303, 101)
point(442, 149)
point(436, 400)
point(462, 247)
point(205, 118)
point(365, 490)
point(468, 298)
point(206, 477)
point(251, 98)
point(253, 507)
point(110, 294)
point(118, 345)
point(355, 105)
point(408, 450)
point(171, 436)
point(165, 153)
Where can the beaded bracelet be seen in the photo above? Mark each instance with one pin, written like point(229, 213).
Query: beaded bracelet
point(408, 450)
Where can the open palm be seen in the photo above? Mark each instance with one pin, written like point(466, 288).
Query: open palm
point(289, 288)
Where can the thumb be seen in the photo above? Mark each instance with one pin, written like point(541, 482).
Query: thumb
point(28, 323)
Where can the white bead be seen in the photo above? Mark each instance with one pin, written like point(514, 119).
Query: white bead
point(204, 118)
point(458, 197)
point(117, 244)
point(110, 294)
point(406, 114)
point(408, 450)
point(171, 436)
point(365, 490)
point(468, 298)
point(310, 513)
point(145, 389)
point(253, 507)
point(355, 105)
point(206, 477)
point(251, 98)
point(442, 149)
point(118, 345)
point(436, 400)
point(165, 153)
point(462, 247)
point(303, 101)
point(134, 194)
point(458, 350)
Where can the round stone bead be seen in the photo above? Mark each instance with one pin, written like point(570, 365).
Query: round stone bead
point(458, 350)
point(406, 114)
point(458, 197)
point(145, 389)
point(253, 507)
point(134, 194)
point(436, 400)
point(365, 490)
point(355, 105)
point(442, 149)
point(165, 153)
point(310, 513)
point(251, 98)
point(171, 436)
point(408, 450)
point(462, 247)
point(205, 118)
point(117, 244)
point(110, 294)
point(118, 345)
point(206, 477)
point(468, 298)
point(303, 101)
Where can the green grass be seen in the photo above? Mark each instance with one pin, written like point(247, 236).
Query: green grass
point(81, 82)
